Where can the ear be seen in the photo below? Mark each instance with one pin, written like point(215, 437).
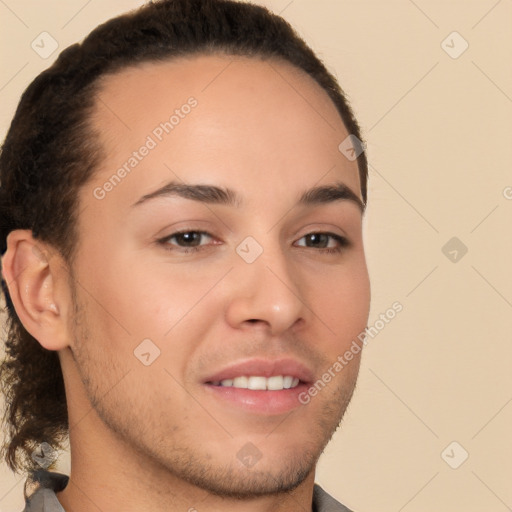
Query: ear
point(37, 281)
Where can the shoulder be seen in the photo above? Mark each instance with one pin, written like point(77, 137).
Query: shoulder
point(324, 502)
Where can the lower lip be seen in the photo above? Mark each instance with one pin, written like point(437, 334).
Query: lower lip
point(260, 402)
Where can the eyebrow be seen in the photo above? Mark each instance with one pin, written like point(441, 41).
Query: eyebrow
point(212, 194)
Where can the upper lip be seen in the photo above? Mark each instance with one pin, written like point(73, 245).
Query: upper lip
point(264, 368)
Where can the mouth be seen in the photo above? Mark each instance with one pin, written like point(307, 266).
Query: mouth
point(259, 386)
point(260, 383)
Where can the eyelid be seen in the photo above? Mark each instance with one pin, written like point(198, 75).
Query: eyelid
point(341, 239)
point(343, 242)
point(183, 231)
point(321, 227)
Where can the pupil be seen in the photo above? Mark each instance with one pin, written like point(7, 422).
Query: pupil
point(191, 236)
point(315, 238)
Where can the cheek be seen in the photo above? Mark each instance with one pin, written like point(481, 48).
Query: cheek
point(135, 297)
point(151, 303)
point(342, 301)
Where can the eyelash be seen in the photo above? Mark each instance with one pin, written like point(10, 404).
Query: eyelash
point(343, 242)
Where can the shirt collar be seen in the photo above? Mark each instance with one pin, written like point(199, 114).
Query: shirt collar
point(40, 491)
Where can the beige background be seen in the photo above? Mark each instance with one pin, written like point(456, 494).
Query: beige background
point(439, 142)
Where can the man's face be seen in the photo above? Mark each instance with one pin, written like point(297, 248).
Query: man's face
point(264, 295)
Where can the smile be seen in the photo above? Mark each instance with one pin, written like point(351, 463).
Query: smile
point(260, 383)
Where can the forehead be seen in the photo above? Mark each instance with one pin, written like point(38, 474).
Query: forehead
point(243, 121)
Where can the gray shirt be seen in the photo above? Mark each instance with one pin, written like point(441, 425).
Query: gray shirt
point(41, 488)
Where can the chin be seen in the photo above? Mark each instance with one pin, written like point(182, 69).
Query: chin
point(245, 483)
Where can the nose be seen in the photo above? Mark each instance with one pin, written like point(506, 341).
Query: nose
point(266, 293)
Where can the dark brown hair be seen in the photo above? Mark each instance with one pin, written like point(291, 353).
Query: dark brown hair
point(49, 153)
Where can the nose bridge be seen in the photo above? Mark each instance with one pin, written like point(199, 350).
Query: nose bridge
point(266, 287)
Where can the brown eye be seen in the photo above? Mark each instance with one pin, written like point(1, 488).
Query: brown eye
point(183, 240)
point(189, 238)
point(321, 241)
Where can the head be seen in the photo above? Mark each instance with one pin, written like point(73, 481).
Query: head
point(157, 229)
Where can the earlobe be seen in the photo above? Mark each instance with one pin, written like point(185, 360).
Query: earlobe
point(31, 276)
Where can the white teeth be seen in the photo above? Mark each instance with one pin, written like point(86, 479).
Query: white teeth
point(240, 382)
point(275, 383)
point(256, 382)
